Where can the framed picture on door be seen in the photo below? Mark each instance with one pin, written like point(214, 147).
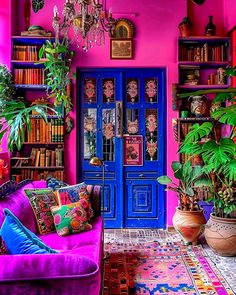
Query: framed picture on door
point(133, 150)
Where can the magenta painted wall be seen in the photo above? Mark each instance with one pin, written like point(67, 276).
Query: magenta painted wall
point(155, 46)
point(229, 14)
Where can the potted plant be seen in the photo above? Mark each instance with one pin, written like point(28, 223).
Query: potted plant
point(15, 121)
point(185, 27)
point(188, 219)
point(6, 86)
point(219, 158)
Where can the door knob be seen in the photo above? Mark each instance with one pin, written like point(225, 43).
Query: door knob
point(141, 175)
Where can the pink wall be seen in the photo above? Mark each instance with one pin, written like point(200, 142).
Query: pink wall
point(199, 16)
point(229, 14)
point(155, 46)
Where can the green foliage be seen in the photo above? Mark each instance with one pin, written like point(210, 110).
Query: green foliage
point(189, 178)
point(226, 115)
point(57, 61)
point(37, 5)
point(218, 155)
point(15, 121)
point(6, 86)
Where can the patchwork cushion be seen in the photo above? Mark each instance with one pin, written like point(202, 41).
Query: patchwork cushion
point(70, 194)
point(41, 200)
point(84, 198)
point(20, 240)
point(55, 183)
point(3, 248)
point(70, 219)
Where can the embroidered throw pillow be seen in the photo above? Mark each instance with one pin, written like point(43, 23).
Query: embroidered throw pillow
point(19, 239)
point(70, 219)
point(3, 248)
point(84, 198)
point(41, 200)
point(70, 194)
point(55, 183)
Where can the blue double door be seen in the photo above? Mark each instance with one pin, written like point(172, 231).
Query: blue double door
point(121, 120)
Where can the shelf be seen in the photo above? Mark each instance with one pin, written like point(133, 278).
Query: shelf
point(43, 143)
point(41, 168)
point(204, 63)
point(25, 62)
point(31, 86)
point(199, 86)
point(198, 39)
point(202, 119)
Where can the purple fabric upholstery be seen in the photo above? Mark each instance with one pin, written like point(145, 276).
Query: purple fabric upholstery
point(76, 270)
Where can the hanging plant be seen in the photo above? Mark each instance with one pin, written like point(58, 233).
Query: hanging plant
point(57, 59)
point(37, 5)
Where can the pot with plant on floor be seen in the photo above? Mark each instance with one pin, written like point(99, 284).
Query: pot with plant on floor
point(219, 158)
point(188, 219)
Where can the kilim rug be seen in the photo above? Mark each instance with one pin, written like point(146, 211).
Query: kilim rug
point(160, 264)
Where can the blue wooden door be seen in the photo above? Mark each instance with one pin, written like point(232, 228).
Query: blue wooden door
point(122, 121)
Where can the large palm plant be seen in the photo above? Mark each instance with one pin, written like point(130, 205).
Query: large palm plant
point(218, 154)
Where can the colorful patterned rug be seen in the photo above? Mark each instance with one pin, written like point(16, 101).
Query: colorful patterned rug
point(161, 267)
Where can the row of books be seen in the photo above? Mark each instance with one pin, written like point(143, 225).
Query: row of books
point(36, 175)
point(203, 193)
point(42, 157)
point(41, 132)
point(203, 53)
point(184, 130)
point(25, 52)
point(29, 76)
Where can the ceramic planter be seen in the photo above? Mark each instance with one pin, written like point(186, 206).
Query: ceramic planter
point(220, 234)
point(190, 224)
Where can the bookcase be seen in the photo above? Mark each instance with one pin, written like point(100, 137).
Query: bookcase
point(202, 61)
point(201, 65)
point(42, 153)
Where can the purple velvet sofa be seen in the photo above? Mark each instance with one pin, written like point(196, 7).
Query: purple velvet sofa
point(75, 270)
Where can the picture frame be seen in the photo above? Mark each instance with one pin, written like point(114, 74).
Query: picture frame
point(121, 48)
point(133, 150)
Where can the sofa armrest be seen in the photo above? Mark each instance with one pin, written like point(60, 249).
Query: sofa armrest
point(95, 194)
point(45, 266)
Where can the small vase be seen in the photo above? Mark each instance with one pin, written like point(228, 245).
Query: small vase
point(210, 29)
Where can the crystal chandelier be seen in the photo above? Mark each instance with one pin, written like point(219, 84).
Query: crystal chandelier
point(88, 20)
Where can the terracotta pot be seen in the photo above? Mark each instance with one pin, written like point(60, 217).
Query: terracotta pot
point(190, 224)
point(220, 234)
point(184, 30)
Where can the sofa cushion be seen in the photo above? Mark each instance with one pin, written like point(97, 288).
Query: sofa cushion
point(55, 183)
point(43, 267)
point(87, 243)
point(70, 194)
point(70, 219)
point(20, 240)
point(19, 204)
point(41, 200)
point(3, 248)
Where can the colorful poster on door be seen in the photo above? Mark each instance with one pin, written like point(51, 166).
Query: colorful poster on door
point(133, 150)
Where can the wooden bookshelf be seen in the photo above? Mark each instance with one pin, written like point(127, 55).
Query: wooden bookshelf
point(42, 153)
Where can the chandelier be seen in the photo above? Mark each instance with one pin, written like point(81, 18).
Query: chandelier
point(88, 20)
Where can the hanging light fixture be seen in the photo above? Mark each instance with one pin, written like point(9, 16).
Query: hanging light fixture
point(89, 22)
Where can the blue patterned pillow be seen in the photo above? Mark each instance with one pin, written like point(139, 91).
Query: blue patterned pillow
point(70, 194)
point(55, 183)
point(19, 240)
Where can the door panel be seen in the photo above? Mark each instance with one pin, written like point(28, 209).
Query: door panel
point(133, 197)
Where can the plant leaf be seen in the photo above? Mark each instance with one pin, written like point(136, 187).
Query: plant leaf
point(198, 131)
point(164, 180)
point(226, 115)
point(37, 5)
